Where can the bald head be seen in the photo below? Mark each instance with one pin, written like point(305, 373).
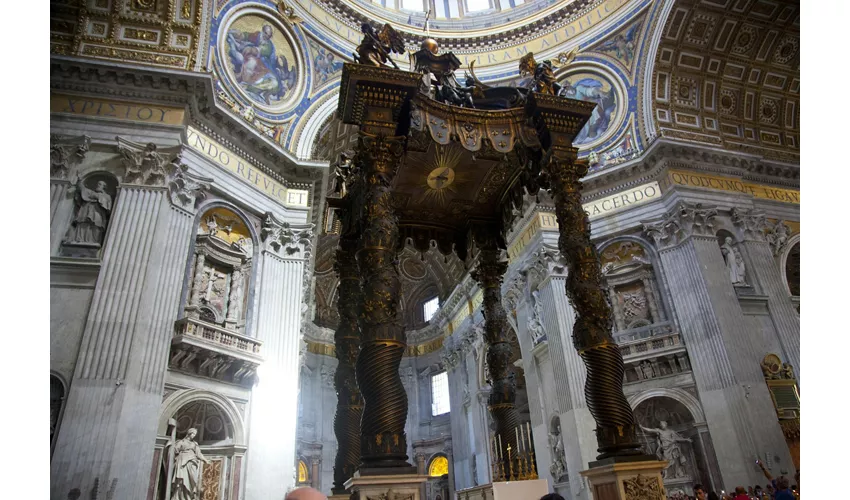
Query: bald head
point(306, 493)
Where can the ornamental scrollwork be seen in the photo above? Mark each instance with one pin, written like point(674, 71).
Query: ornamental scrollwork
point(66, 153)
point(643, 488)
point(677, 225)
point(285, 239)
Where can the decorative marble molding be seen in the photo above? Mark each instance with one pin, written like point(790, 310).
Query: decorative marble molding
point(684, 220)
point(66, 153)
point(285, 239)
point(750, 223)
point(312, 331)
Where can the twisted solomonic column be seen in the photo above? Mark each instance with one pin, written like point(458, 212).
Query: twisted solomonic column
point(349, 408)
point(502, 400)
point(615, 421)
point(383, 442)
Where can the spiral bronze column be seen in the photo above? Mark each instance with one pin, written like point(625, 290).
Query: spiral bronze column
point(383, 443)
point(488, 272)
point(349, 406)
point(558, 120)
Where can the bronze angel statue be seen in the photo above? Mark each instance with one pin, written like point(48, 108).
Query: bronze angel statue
point(376, 46)
point(542, 75)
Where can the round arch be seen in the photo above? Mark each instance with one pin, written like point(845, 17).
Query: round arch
point(315, 120)
point(783, 260)
point(178, 399)
point(685, 398)
point(438, 465)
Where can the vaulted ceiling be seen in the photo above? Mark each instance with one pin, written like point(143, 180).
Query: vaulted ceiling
point(727, 73)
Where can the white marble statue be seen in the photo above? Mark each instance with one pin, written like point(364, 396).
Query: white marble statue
point(734, 262)
point(556, 447)
point(535, 323)
point(93, 208)
point(668, 449)
point(186, 478)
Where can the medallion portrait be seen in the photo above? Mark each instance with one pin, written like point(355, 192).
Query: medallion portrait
point(260, 60)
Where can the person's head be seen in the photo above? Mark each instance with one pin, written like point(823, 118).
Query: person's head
point(699, 492)
point(191, 433)
point(757, 490)
point(330, 57)
point(305, 493)
point(663, 424)
point(552, 496)
point(782, 483)
point(740, 490)
point(267, 32)
point(100, 187)
point(728, 240)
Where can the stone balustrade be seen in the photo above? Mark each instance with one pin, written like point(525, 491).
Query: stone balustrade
point(209, 350)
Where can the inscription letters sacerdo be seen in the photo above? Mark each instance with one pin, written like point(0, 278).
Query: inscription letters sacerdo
point(231, 162)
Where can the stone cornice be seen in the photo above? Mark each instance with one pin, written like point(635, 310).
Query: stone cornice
point(665, 153)
point(108, 80)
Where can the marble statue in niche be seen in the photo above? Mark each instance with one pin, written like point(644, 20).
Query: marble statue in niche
point(186, 478)
point(92, 215)
point(558, 468)
point(535, 323)
point(646, 369)
point(669, 449)
point(734, 262)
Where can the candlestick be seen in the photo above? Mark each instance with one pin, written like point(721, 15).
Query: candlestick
point(533, 467)
point(501, 455)
point(510, 463)
point(528, 427)
point(522, 439)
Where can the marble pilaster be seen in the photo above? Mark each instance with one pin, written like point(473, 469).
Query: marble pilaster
point(737, 405)
point(272, 419)
point(120, 369)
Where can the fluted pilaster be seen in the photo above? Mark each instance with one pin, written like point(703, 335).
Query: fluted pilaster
point(121, 365)
point(285, 252)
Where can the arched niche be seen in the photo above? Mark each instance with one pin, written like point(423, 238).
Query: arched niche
point(790, 265)
point(733, 258)
point(438, 465)
point(221, 268)
point(58, 395)
point(303, 478)
point(633, 289)
point(94, 202)
point(220, 436)
point(670, 422)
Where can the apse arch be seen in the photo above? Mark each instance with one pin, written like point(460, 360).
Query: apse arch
point(179, 399)
point(685, 398)
point(316, 118)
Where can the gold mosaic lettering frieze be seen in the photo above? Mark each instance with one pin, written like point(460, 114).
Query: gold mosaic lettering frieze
point(730, 184)
point(87, 106)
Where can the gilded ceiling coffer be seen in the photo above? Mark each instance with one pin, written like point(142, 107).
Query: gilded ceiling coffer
point(349, 406)
point(557, 124)
point(501, 402)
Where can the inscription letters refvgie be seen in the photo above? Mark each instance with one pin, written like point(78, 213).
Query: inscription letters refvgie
point(230, 161)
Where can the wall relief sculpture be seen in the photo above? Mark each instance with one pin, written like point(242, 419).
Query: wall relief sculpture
point(558, 467)
point(536, 328)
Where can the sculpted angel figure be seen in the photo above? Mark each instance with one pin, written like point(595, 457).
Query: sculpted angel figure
point(543, 75)
point(94, 207)
point(668, 449)
point(186, 480)
point(376, 46)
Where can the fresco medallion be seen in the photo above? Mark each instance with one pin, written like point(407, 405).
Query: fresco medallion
point(610, 108)
point(258, 55)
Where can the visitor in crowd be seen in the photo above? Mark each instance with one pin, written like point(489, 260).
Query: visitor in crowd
point(552, 496)
point(305, 493)
point(741, 494)
point(699, 492)
point(783, 490)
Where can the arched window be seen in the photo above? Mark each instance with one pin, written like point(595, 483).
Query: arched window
point(792, 270)
point(303, 473)
point(57, 402)
point(439, 466)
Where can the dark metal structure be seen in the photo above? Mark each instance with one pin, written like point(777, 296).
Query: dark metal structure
point(450, 174)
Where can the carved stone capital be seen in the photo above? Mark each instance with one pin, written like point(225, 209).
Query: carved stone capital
point(285, 239)
point(186, 189)
point(751, 223)
point(677, 225)
point(66, 153)
point(146, 164)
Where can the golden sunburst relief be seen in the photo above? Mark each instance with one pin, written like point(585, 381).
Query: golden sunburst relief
point(438, 176)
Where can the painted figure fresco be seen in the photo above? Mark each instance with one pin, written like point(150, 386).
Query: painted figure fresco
point(622, 45)
point(590, 87)
point(326, 64)
point(259, 58)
